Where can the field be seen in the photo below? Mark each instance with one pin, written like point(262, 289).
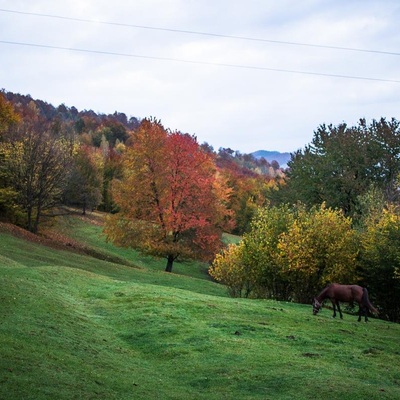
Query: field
point(86, 320)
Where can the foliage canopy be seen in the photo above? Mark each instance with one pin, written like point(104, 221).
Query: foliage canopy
point(170, 201)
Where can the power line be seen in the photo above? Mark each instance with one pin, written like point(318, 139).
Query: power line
point(204, 33)
point(110, 53)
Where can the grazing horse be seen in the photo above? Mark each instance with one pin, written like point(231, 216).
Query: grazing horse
point(347, 294)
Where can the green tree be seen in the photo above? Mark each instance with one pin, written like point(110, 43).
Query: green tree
point(342, 163)
point(386, 146)
point(380, 261)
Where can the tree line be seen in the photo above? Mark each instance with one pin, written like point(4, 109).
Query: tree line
point(52, 157)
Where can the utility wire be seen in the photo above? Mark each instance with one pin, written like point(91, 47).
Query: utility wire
point(110, 53)
point(203, 33)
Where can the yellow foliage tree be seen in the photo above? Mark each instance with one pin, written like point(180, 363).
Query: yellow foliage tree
point(8, 116)
point(318, 248)
point(252, 267)
point(229, 269)
point(290, 254)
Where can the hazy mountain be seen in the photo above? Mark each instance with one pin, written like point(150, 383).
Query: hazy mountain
point(281, 158)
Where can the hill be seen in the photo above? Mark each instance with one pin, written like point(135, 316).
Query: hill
point(77, 326)
point(281, 158)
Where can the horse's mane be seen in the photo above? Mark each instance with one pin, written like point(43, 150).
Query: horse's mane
point(322, 296)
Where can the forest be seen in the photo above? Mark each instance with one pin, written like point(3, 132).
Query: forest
point(331, 216)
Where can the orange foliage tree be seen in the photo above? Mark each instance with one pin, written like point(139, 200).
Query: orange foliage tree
point(8, 116)
point(171, 202)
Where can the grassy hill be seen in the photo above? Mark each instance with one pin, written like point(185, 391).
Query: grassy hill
point(82, 319)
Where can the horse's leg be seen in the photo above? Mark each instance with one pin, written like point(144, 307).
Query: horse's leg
point(340, 311)
point(362, 310)
point(334, 308)
point(365, 313)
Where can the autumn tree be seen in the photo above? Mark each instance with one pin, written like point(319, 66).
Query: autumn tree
point(37, 161)
point(252, 267)
point(289, 254)
point(112, 169)
point(168, 200)
point(318, 248)
point(111, 131)
point(85, 180)
point(249, 187)
point(8, 120)
point(8, 116)
point(229, 269)
point(262, 251)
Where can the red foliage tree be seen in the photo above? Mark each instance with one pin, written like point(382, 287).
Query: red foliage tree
point(170, 200)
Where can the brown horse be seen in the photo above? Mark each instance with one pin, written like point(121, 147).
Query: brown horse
point(348, 294)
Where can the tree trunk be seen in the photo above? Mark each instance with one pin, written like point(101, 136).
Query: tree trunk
point(29, 217)
point(170, 261)
point(38, 216)
point(36, 223)
point(84, 207)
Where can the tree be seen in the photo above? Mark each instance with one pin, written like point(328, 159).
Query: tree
point(167, 200)
point(252, 267)
point(380, 260)
point(318, 248)
point(289, 254)
point(112, 169)
point(8, 120)
point(262, 251)
point(84, 185)
point(342, 163)
point(37, 161)
point(386, 143)
point(8, 116)
point(229, 269)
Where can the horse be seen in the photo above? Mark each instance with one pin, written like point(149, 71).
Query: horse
point(348, 294)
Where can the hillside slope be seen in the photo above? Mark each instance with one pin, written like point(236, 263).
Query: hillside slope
point(78, 327)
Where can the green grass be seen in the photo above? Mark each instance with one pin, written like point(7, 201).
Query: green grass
point(77, 327)
point(93, 236)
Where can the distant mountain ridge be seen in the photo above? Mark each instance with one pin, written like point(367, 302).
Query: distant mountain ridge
point(281, 158)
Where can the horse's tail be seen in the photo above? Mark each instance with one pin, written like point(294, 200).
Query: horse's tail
point(367, 303)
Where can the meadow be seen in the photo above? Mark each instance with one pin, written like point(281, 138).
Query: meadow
point(87, 320)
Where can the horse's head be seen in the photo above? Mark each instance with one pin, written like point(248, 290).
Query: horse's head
point(316, 306)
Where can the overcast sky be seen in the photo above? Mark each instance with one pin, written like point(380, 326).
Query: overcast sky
point(196, 64)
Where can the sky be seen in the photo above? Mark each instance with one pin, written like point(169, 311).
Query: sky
point(246, 75)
